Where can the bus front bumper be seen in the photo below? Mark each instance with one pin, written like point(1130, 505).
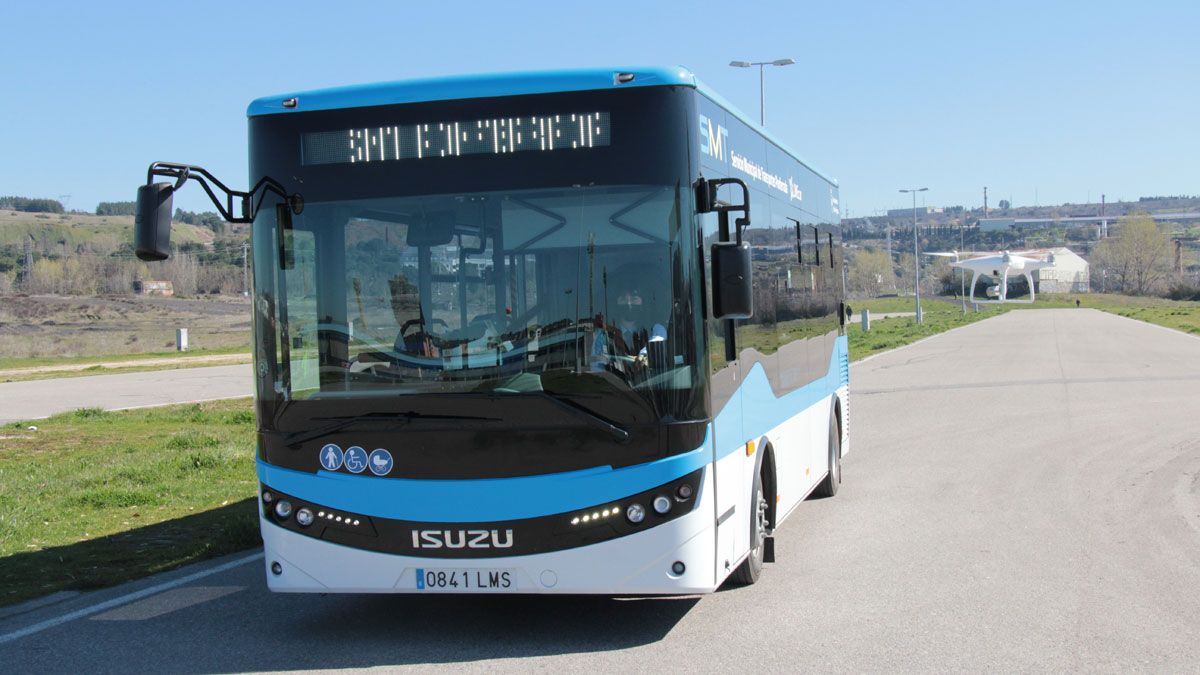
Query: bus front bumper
point(644, 563)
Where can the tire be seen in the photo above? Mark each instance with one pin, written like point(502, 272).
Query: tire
point(833, 479)
point(751, 568)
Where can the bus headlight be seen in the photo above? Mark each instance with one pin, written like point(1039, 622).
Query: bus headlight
point(304, 517)
point(662, 504)
point(636, 513)
point(283, 509)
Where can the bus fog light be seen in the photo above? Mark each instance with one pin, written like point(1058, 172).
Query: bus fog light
point(636, 513)
point(678, 568)
point(276, 568)
point(662, 505)
point(283, 509)
point(304, 517)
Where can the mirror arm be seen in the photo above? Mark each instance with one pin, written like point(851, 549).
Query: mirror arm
point(706, 196)
point(183, 172)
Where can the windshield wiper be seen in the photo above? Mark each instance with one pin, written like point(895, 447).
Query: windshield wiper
point(617, 432)
point(294, 439)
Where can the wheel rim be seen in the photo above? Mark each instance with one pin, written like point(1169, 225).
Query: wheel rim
point(760, 523)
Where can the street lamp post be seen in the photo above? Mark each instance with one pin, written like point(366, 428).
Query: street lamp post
point(916, 253)
point(962, 272)
point(762, 92)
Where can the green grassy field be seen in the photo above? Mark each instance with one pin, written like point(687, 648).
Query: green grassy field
point(94, 498)
point(939, 316)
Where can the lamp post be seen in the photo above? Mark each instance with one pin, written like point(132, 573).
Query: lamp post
point(762, 95)
point(962, 272)
point(916, 253)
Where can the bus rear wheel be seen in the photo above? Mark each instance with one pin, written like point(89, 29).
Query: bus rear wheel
point(829, 486)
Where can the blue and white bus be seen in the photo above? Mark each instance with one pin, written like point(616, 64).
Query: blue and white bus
point(508, 340)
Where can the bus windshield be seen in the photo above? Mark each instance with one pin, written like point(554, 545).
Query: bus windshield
point(570, 292)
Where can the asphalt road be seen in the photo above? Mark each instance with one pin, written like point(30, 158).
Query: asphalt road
point(36, 399)
point(1023, 494)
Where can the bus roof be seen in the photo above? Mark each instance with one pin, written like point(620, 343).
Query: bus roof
point(502, 84)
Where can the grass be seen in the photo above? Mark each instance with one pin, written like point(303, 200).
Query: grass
point(127, 363)
point(94, 498)
point(1182, 316)
point(939, 316)
point(34, 362)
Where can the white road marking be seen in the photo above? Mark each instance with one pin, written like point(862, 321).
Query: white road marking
point(136, 595)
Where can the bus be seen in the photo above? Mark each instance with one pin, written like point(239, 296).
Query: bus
point(559, 332)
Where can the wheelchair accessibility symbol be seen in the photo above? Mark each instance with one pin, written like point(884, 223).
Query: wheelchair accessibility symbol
point(356, 459)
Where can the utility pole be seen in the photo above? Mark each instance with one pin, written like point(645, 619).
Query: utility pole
point(1103, 220)
point(245, 269)
point(985, 213)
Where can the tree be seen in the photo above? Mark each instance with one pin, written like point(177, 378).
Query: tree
point(904, 272)
point(871, 272)
point(116, 209)
point(31, 205)
point(1004, 205)
point(1138, 258)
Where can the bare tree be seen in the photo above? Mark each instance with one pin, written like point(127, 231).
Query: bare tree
point(870, 272)
point(1138, 258)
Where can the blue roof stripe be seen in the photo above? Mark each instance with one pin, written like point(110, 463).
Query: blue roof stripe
point(501, 84)
point(469, 86)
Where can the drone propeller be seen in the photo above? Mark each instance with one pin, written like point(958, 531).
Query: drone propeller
point(944, 254)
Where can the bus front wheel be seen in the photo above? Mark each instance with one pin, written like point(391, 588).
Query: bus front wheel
point(751, 568)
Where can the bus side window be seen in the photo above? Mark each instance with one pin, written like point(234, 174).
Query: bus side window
point(816, 247)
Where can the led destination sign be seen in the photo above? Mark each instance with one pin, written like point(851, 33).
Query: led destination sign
point(495, 136)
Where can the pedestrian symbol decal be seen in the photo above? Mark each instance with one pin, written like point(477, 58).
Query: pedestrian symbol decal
point(381, 462)
point(331, 457)
point(356, 459)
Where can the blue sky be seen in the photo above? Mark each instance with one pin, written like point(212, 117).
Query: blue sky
point(1058, 100)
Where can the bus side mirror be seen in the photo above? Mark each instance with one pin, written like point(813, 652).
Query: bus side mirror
point(152, 222)
point(732, 282)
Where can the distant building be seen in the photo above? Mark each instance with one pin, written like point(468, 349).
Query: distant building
point(998, 224)
point(1069, 274)
point(908, 213)
point(151, 287)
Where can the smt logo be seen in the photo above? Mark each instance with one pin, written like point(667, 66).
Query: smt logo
point(461, 539)
point(713, 141)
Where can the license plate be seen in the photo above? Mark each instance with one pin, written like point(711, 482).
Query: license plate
point(464, 580)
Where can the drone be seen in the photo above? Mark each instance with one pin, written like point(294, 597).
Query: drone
point(998, 265)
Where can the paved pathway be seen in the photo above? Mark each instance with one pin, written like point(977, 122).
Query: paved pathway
point(42, 398)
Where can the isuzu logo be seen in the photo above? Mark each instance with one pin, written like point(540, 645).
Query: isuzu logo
point(462, 538)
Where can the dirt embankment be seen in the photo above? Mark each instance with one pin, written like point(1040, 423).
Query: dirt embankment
point(59, 326)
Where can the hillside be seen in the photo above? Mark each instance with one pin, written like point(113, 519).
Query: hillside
point(83, 232)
